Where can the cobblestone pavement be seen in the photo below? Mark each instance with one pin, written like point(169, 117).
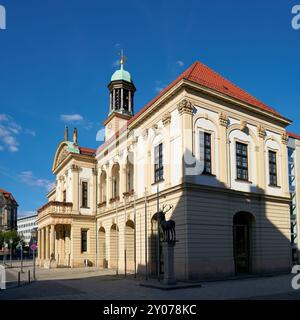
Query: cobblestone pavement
point(95, 284)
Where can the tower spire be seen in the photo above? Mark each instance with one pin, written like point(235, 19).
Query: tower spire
point(123, 59)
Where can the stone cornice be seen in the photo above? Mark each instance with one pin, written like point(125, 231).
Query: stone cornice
point(261, 131)
point(284, 138)
point(166, 119)
point(223, 119)
point(185, 106)
point(194, 86)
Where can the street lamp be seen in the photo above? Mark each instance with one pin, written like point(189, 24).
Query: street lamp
point(11, 243)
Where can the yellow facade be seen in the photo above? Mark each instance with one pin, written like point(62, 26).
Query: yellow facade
point(122, 193)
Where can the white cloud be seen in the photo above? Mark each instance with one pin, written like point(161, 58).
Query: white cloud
point(159, 89)
point(71, 117)
point(26, 213)
point(28, 178)
point(9, 130)
point(180, 63)
point(158, 86)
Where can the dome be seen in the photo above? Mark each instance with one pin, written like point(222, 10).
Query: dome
point(121, 74)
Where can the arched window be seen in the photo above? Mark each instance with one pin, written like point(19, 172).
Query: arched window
point(115, 181)
point(206, 148)
point(129, 173)
point(103, 187)
point(242, 159)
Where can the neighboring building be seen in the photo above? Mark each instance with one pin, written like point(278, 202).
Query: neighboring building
point(215, 153)
point(294, 185)
point(8, 211)
point(27, 228)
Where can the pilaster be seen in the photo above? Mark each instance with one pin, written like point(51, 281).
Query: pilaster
point(167, 144)
point(261, 171)
point(223, 149)
point(75, 181)
point(284, 164)
point(185, 110)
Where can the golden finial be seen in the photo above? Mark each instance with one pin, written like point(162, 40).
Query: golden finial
point(122, 58)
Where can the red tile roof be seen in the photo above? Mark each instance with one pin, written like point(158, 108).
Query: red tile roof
point(86, 151)
point(205, 76)
point(7, 195)
point(293, 135)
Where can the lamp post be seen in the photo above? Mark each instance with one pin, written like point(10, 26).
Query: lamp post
point(10, 248)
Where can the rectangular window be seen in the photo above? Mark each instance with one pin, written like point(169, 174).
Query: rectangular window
point(158, 163)
point(84, 240)
point(242, 161)
point(64, 196)
point(272, 168)
point(84, 191)
point(207, 153)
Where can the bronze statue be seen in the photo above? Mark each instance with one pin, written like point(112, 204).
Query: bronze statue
point(75, 137)
point(167, 226)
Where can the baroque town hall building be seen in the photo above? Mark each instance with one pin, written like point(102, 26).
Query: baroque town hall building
point(215, 153)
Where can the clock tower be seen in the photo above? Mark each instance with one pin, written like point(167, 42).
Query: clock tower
point(122, 91)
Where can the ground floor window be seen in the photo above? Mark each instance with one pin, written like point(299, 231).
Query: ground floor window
point(84, 234)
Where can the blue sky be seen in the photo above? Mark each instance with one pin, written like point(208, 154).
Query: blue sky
point(56, 58)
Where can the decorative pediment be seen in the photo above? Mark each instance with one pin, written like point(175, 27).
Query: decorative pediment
point(62, 155)
point(63, 150)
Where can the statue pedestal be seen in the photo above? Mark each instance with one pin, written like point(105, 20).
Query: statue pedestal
point(168, 254)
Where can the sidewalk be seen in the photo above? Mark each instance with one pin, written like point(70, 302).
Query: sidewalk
point(95, 284)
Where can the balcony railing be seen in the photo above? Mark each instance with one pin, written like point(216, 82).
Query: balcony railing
point(55, 207)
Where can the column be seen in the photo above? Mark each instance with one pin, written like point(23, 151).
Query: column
point(223, 150)
point(261, 173)
point(129, 102)
point(39, 244)
point(122, 186)
point(185, 110)
point(284, 165)
point(147, 161)
point(47, 229)
point(52, 242)
point(135, 165)
point(122, 99)
point(108, 185)
point(99, 188)
point(75, 188)
point(110, 102)
point(167, 149)
point(114, 100)
point(42, 243)
point(94, 191)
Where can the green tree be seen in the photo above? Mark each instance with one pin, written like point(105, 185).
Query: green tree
point(5, 236)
